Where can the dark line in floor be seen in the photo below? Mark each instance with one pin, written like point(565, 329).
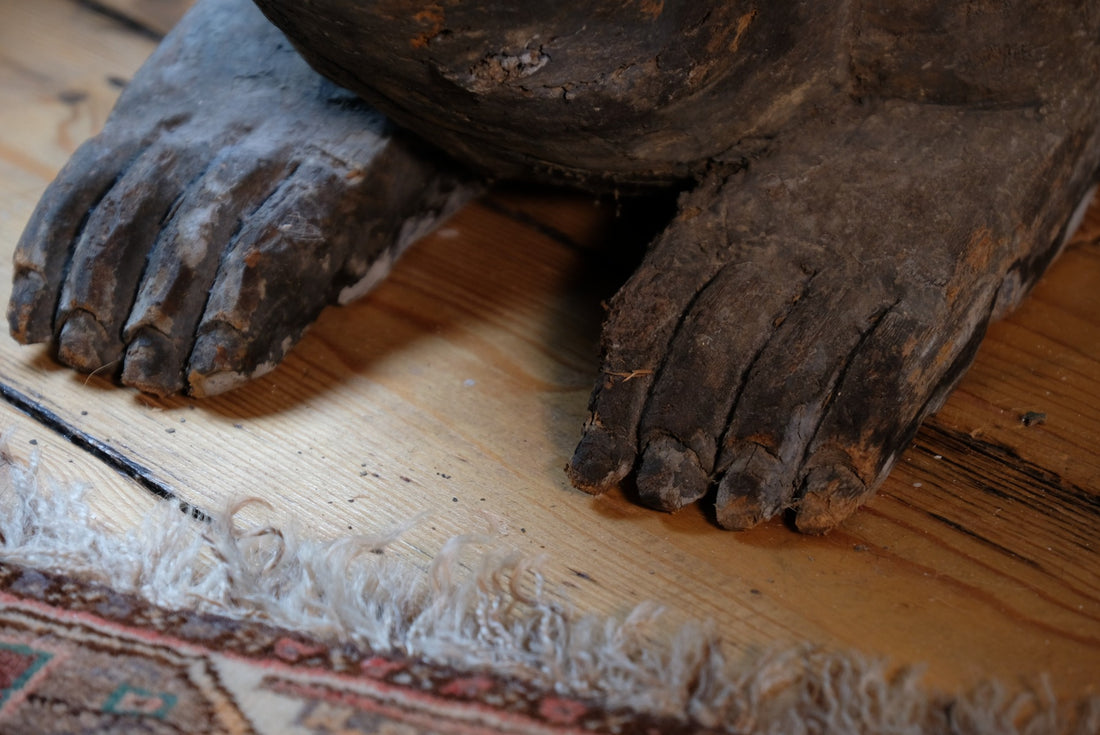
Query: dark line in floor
point(98, 449)
point(1024, 472)
point(1000, 548)
point(123, 19)
point(494, 205)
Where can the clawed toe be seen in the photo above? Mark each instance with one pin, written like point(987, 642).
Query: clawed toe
point(752, 489)
point(670, 475)
point(830, 494)
point(221, 361)
point(152, 364)
point(84, 344)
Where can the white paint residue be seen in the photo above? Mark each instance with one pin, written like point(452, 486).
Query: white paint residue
point(411, 231)
point(204, 386)
point(1079, 215)
point(378, 270)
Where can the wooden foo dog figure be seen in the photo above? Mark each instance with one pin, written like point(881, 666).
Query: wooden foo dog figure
point(867, 184)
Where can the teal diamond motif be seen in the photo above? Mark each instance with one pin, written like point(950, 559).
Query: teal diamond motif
point(131, 700)
point(18, 663)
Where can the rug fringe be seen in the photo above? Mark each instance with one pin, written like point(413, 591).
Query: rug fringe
point(480, 606)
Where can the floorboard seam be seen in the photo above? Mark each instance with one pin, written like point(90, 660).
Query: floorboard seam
point(98, 449)
point(119, 17)
point(527, 220)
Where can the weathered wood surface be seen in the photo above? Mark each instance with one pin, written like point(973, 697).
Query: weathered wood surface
point(458, 389)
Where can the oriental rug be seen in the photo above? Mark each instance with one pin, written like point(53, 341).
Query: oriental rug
point(187, 626)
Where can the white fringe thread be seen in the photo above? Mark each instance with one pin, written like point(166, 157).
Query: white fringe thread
point(493, 611)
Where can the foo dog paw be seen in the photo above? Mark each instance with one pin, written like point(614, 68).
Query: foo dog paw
point(787, 333)
point(231, 196)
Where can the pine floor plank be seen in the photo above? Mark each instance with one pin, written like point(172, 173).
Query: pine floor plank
point(458, 388)
point(157, 16)
point(27, 441)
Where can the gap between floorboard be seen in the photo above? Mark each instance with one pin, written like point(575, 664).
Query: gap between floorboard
point(98, 449)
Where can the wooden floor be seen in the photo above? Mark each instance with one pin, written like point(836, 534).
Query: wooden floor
point(458, 389)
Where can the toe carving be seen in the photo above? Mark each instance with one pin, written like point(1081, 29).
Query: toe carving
point(670, 475)
point(801, 332)
point(188, 253)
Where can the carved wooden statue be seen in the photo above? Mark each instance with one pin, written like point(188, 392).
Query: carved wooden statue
point(866, 184)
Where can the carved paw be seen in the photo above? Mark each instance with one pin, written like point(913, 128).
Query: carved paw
point(788, 332)
point(232, 195)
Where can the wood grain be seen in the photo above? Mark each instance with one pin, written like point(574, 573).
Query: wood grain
point(458, 388)
point(153, 16)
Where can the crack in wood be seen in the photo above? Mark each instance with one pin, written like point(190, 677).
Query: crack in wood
point(100, 450)
point(958, 443)
point(527, 220)
point(970, 533)
point(123, 19)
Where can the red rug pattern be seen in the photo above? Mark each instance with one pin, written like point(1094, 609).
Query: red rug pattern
point(78, 657)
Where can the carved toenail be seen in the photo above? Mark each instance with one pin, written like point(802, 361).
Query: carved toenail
point(670, 476)
point(30, 309)
point(599, 462)
point(219, 362)
point(832, 493)
point(83, 344)
point(753, 489)
point(153, 365)
point(740, 513)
